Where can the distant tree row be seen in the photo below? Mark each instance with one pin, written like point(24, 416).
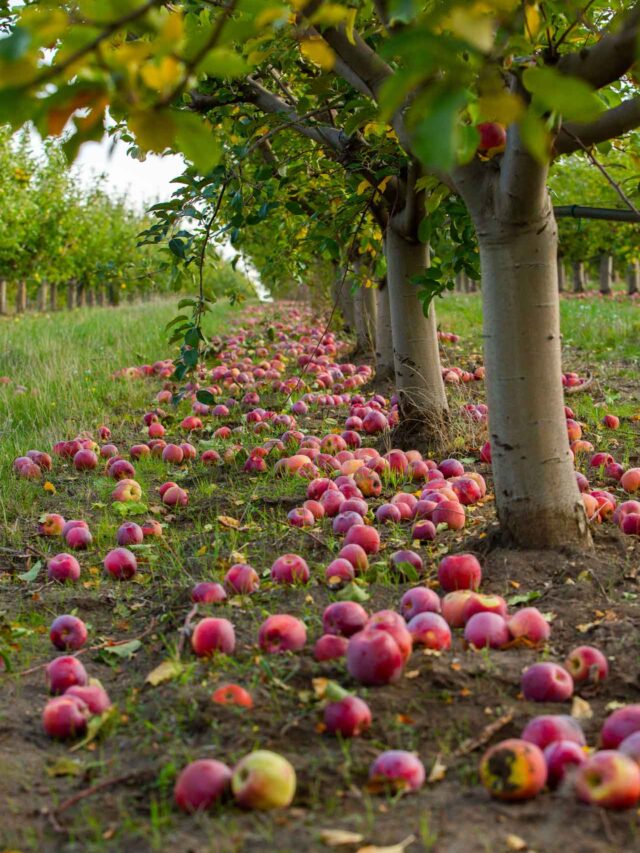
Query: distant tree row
point(65, 244)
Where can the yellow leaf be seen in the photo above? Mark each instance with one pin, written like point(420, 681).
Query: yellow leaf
point(503, 107)
point(172, 28)
point(438, 771)
point(581, 709)
point(227, 521)
point(201, 551)
point(383, 183)
point(477, 30)
point(514, 842)
point(363, 186)
point(49, 487)
point(318, 51)
point(339, 837)
point(162, 76)
point(165, 671)
point(393, 848)
point(153, 132)
point(532, 19)
point(65, 767)
point(349, 25)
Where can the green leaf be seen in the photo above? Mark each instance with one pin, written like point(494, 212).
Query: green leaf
point(96, 724)
point(206, 397)
point(66, 767)
point(127, 508)
point(536, 137)
point(224, 62)
point(195, 139)
point(353, 592)
point(14, 46)
point(574, 99)
point(32, 574)
point(524, 598)
point(436, 134)
point(122, 650)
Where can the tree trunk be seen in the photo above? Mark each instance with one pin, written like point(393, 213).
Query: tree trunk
point(415, 341)
point(53, 296)
point(633, 278)
point(459, 286)
point(81, 296)
point(91, 297)
point(364, 303)
point(384, 339)
point(537, 498)
point(473, 286)
point(42, 296)
point(562, 282)
point(71, 295)
point(21, 297)
point(578, 276)
point(606, 274)
point(100, 297)
point(3, 297)
point(113, 300)
point(342, 297)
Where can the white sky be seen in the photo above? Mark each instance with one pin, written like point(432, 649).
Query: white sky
point(143, 183)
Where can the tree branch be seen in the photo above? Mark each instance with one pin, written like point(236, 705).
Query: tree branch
point(610, 58)
point(363, 61)
point(610, 125)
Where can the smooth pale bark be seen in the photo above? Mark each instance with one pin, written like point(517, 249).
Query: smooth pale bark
point(3, 296)
point(342, 297)
point(21, 297)
point(578, 277)
point(43, 292)
point(384, 338)
point(606, 274)
point(633, 278)
point(364, 304)
point(562, 281)
point(53, 296)
point(415, 341)
point(71, 295)
point(537, 498)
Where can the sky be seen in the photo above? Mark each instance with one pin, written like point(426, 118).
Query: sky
point(143, 183)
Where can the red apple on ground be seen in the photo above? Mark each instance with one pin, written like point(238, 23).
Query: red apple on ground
point(201, 784)
point(282, 633)
point(120, 563)
point(547, 682)
point(62, 568)
point(51, 524)
point(513, 770)
point(213, 635)
point(487, 630)
point(344, 617)
point(586, 663)
point(619, 725)
point(453, 605)
point(330, 647)
point(397, 770)
point(374, 658)
point(290, 569)
point(151, 528)
point(356, 555)
point(175, 496)
point(609, 779)
point(85, 460)
point(65, 717)
point(95, 697)
point(68, 633)
point(129, 533)
point(208, 592)
point(549, 728)
point(631, 746)
point(78, 538)
point(63, 672)
point(348, 717)
point(479, 603)
point(241, 579)
point(339, 570)
point(562, 757)
point(529, 624)
point(263, 780)
point(430, 630)
point(420, 599)
point(365, 536)
point(459, 571)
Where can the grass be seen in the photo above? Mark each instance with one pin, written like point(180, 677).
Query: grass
point(65, 361)
point(603, 329)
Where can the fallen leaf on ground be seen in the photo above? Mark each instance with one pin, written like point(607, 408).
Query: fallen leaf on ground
point(581, 709)
point(339, 837)
point(165, 671)
point(438, 771)
point(393, 848)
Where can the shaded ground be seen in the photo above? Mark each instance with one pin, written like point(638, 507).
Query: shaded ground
point(446, 707)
